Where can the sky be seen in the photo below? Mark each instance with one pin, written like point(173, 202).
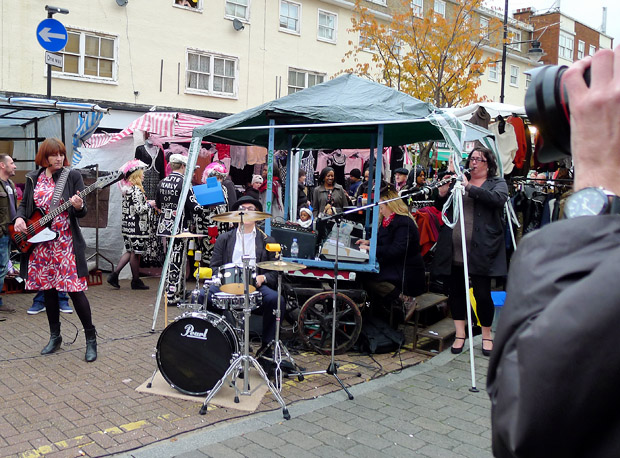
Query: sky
point(589, 12)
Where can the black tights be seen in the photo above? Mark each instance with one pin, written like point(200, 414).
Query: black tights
point(80, 303)
point(482, 292)
point(134, 262)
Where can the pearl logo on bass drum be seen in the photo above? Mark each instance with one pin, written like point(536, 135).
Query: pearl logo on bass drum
point(189, 332)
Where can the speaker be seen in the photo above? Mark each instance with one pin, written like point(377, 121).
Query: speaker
point(305, 240)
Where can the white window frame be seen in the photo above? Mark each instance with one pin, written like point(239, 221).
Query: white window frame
point(286, 29)
point(566, 48)
point(493, 72)
point(188, 7)
point(484, 27)
point(581, 49)
point(335, 30)
point(306, 73)
point(514, 75)
point(379, 2)
point(592, 50)
point(372, 48)
point(515, 36)
point(210, 91)
point(442, 6)
point(528, 80)
point(245, 18)
point(81, 75)
point(417, 8)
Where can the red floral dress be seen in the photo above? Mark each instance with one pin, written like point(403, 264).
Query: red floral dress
point(52, 264)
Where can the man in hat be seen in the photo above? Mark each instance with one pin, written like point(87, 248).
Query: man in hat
point(400, 178)
point(248, 240)
point(167, 200)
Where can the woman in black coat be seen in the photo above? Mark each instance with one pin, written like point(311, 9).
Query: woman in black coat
point(483, 206)
point(398, 252)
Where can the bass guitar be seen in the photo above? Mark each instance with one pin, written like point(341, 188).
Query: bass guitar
point(37, 230)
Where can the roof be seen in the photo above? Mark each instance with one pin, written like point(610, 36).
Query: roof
point(341, 113)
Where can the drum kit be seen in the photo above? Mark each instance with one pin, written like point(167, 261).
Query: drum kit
point(201, 350)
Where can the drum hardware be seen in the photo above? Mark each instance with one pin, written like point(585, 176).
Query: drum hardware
point(231, 279)
point(227, 301)
point(278, 346)
point(243, 361)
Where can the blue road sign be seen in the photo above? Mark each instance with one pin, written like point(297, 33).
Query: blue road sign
point(52, 35)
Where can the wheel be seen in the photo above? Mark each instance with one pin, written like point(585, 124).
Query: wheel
point(315, 322)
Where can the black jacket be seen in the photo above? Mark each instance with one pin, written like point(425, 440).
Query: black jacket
point(554, 371)
point(26, 208)
point(225, 246)
point(167, 200)
point(398, 253)
point(487, 253)
point(5, 212)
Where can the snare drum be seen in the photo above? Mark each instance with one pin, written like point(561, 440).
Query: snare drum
point(195, 351)
point(231, 278)
point(226, 301)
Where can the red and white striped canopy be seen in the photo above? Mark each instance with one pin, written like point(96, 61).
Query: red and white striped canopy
point(165, 127)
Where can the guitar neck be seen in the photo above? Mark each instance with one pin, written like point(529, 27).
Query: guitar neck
point(61, 208)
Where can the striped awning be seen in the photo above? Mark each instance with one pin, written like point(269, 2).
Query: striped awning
point(168, 126)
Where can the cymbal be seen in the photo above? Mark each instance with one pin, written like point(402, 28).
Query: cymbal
point(281, 266)
point(235, 217)
point(185, 235)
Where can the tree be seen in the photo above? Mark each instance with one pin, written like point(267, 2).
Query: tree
point(433, 58)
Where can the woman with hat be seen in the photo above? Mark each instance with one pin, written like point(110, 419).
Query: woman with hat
point(135, 213)
point(398, 252)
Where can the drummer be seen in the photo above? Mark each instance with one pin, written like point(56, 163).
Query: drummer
point(228, 250)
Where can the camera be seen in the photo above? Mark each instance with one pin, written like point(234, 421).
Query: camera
point(547, 106)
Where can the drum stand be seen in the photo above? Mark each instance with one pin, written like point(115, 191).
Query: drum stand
point(242, 363)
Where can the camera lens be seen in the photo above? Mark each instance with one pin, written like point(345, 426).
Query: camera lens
point(547, 106)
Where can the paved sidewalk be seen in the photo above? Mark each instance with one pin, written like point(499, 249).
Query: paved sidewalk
point(426, 410)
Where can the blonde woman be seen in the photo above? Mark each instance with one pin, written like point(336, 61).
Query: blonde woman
point(135, 211)
point(398, 253)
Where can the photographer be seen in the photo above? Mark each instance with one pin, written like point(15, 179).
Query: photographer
point(554, 372)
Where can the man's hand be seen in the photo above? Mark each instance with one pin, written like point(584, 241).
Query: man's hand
point(595, 120)
point(260, 279)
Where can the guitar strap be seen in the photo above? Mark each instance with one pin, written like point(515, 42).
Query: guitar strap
point(60, 186)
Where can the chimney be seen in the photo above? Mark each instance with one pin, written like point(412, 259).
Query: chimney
point(604, 25)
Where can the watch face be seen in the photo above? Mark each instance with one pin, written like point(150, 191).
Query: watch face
point(587, 202)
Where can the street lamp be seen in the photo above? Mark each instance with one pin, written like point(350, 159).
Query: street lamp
point(51, 10)
point(534, 53)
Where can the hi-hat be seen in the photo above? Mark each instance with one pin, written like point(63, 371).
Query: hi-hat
point(282, 266)
point(186, 235)
point(235, 217)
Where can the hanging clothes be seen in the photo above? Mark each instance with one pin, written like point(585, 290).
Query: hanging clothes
point(506, 142)
point(519, 128)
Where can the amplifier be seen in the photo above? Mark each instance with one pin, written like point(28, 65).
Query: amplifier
point(305, 239)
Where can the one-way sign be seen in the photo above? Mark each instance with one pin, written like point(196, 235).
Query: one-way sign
point(54, 59)
point(52, 35)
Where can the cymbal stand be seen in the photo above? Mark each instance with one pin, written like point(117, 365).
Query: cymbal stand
point(332, 369)
point(242, 362)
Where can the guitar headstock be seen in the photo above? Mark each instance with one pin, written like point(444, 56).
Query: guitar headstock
point(107, 180)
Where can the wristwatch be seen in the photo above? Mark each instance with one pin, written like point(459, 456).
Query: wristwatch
point(590, 202)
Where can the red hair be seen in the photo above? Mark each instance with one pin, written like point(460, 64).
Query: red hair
point(49, 147)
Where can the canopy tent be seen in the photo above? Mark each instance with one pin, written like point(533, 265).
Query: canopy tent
point(26, 121)
point(494, 109)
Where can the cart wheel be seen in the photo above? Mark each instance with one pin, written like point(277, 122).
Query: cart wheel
point(315, 322)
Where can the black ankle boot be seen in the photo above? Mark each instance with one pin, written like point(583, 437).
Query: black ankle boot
point(91, 345)
point(138, 284)
point(113, 280)
point(55, 340)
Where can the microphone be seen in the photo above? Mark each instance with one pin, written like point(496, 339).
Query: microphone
point(273, 247)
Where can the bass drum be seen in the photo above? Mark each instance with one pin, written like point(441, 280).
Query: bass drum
point(195, 351)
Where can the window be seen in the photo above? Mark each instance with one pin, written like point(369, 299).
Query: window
point(493, 72)
point(440, 7)
point(514, 36)
point(211, 74)
point(592, 50)
point(484, 27)
point(581, 50)
point(514, 76)
point(300, 79)
point(366, 43)
point(328, 24)
point(528, 80)
point(567, 46)
point(417, 7)
point(379, 2)
point(290, 13)
point(239, 9)
point(189, 4)
point(89, 55)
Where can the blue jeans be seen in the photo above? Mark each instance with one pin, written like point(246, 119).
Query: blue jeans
point(63, 298)
point(4, 260)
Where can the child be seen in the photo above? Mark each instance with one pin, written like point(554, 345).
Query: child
point(305, 217)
